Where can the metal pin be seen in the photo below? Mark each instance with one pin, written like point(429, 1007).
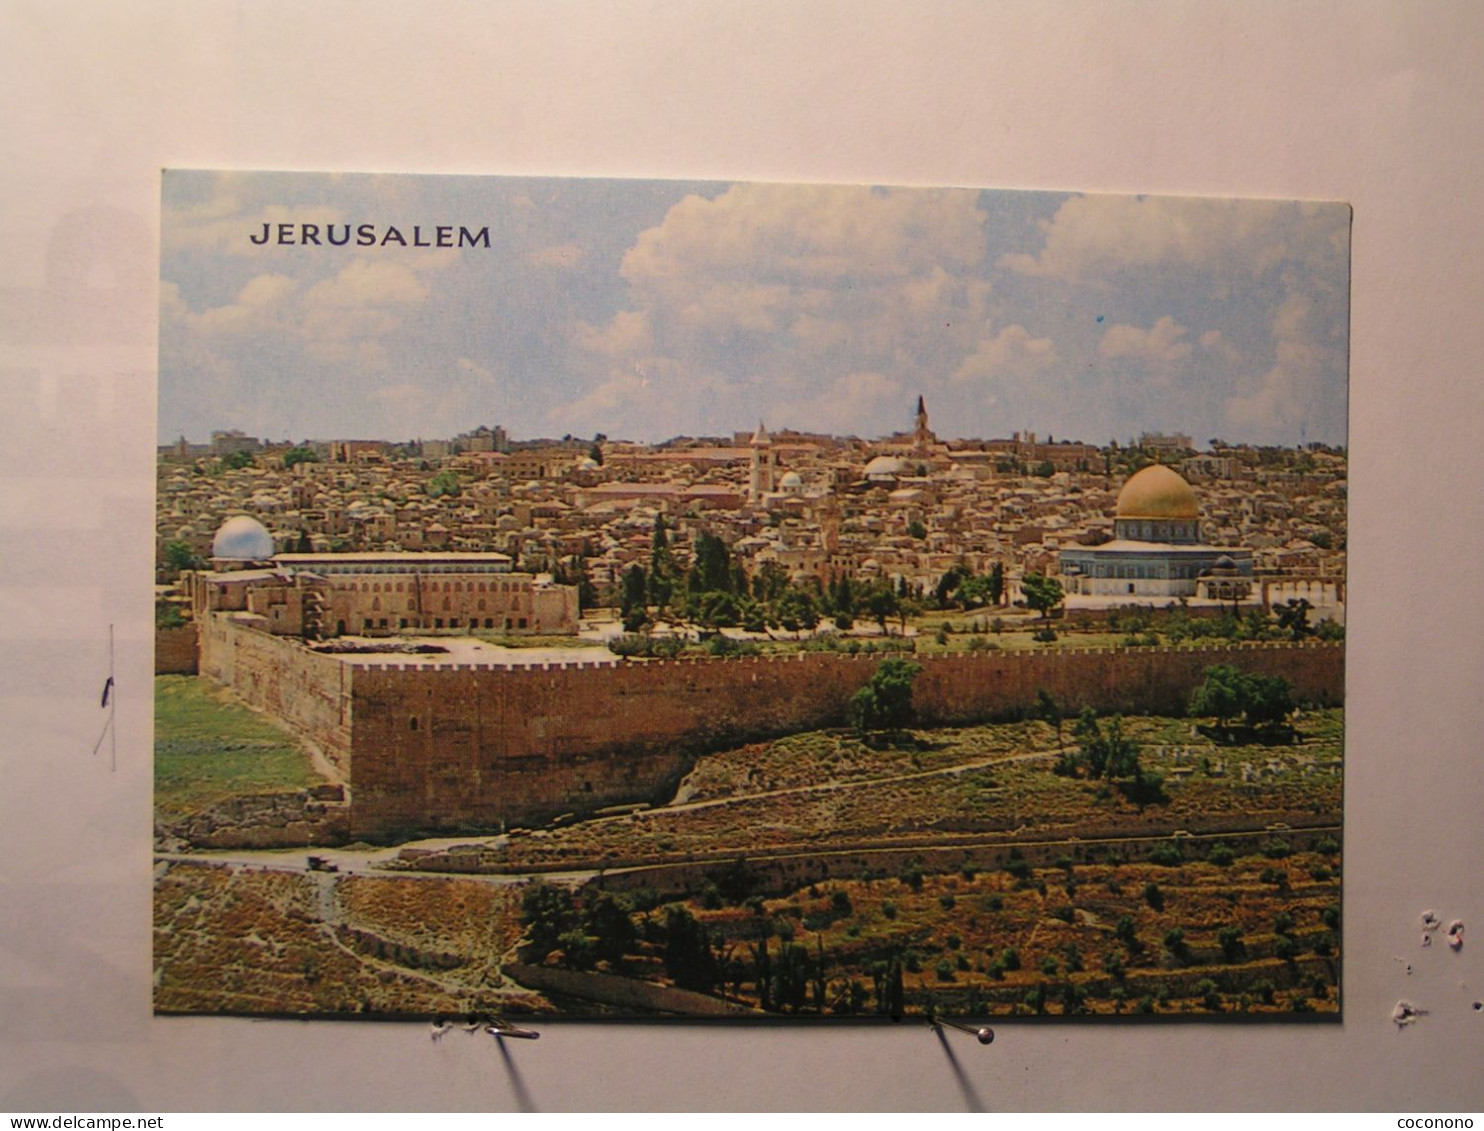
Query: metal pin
point(499, 1027)
point(440, 1026)
point(984, 1034)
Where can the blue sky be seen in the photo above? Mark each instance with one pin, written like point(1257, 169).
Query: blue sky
point(648, 309)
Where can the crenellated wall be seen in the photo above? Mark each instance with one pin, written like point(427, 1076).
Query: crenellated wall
point(428, 747)
point(480, 746)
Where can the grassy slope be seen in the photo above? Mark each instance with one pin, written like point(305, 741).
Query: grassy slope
point(209, 747)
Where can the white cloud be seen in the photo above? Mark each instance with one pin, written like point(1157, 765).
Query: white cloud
point(851, 404)
point(260, 307)
point(1216, 344)
point(1092, 237)
point(785, 289)
point(1013, 352)
point(1162, 344)
point(1299, 390)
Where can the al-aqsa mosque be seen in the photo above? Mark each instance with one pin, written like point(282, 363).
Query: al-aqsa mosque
point(1156, 549)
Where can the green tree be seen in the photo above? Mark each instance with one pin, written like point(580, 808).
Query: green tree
point(711, 567)
point(791, 977)
point(180, 556)
point(1293, 617)
point(1230, 941)
point(607, 919)
point(881, 601)
point(236, 461)
point(718, 609)
point(688, 957)
point(1220, 695)
point(947, 585)
point(547, 913)
point(297, 455)
point(1227, 692)
point(587, 593)
point(661, 582)
point(1048, 710)
point(1106, 751)
point(885, 703)
point(795, 610)
point(633, 607)
point(769, 582)
point(891, 996)
point(1268, 700)
point(1041, 593)
point(444, 483)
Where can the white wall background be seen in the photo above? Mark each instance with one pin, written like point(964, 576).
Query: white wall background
point(1380, 104)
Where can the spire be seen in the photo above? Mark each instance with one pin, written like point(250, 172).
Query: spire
point(760, 437)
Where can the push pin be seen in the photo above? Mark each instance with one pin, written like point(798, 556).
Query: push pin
point(984, 1034)
point(499, 1027)
point(440, 1027)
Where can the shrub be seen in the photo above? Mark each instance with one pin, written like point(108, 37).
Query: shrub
point(1210, 996)
point(1230, 940)
point(1166, 854)
point(911, 874)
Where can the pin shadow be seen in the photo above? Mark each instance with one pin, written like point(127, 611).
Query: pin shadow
point(523, 1101)
point(972, 1102)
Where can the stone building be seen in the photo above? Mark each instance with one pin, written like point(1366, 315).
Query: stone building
point(1156, 549)
point(375, 593)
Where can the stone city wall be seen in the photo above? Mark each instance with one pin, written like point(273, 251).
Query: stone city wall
point(279, 675)
point(175, 650)
point(472, 746)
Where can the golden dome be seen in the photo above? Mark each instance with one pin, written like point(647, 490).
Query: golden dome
point(1157, 492)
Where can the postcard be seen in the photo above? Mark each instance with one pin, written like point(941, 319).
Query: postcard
point(601, 598)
